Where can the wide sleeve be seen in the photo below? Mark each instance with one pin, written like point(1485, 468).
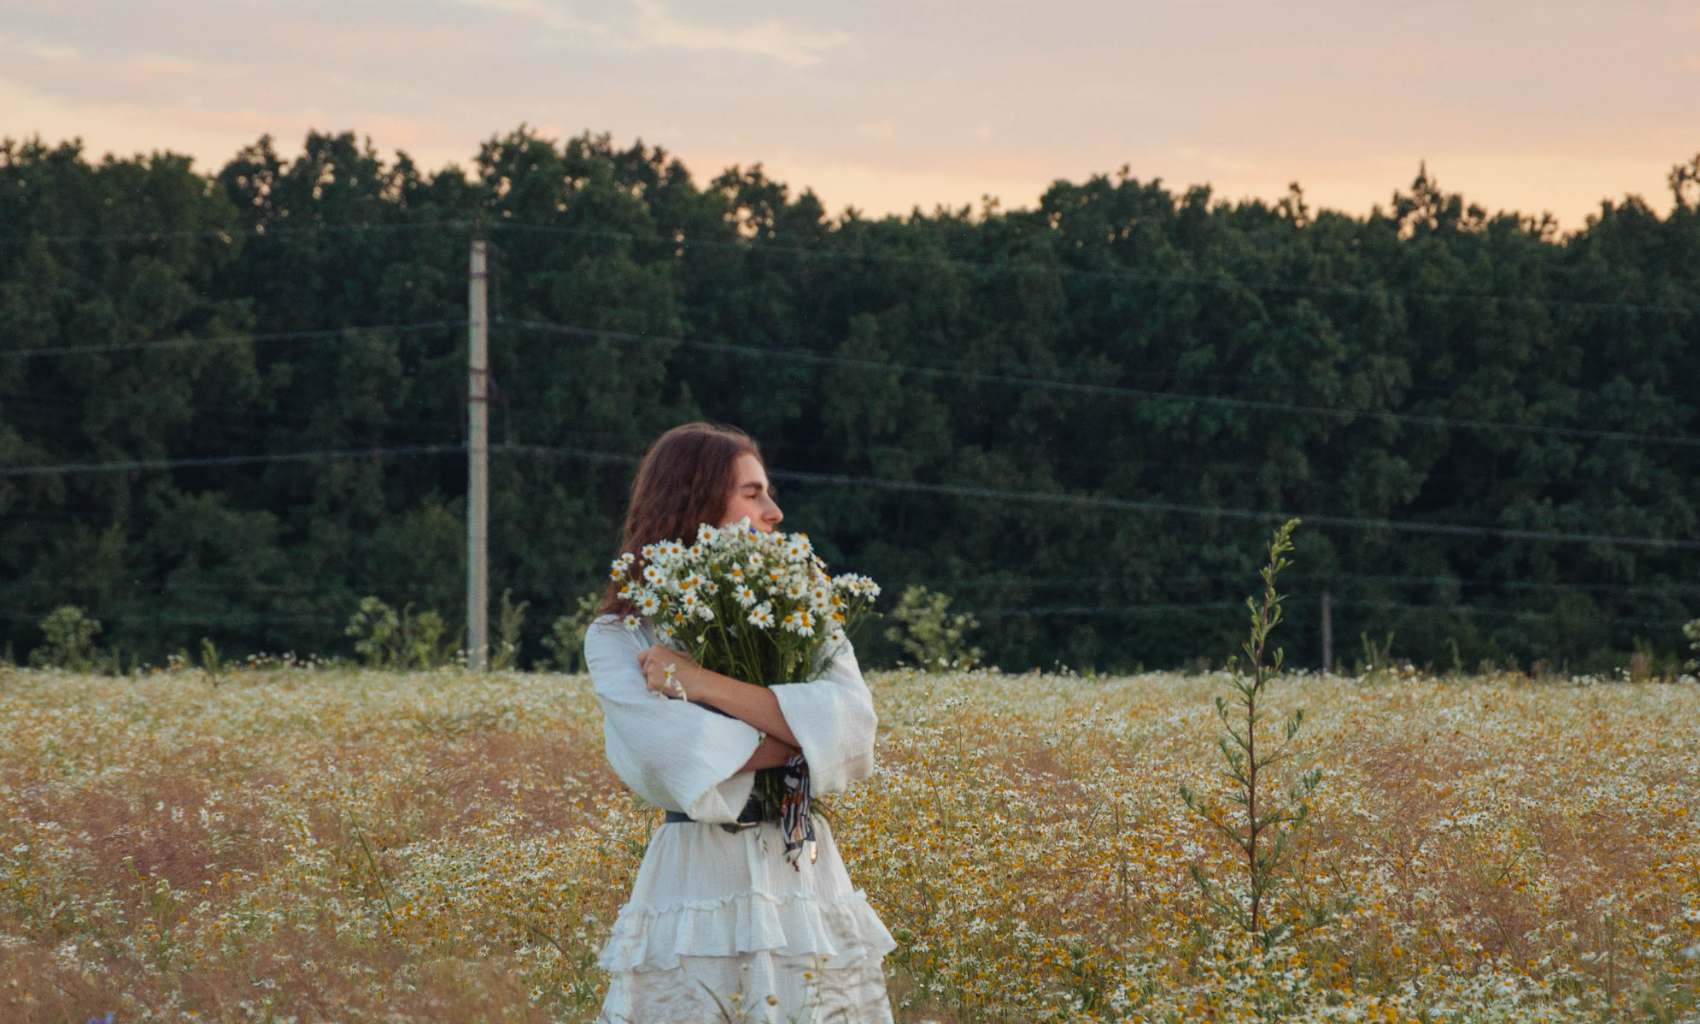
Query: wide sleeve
point(833, 719)
point(675, 754)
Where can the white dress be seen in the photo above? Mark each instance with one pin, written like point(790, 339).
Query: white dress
point(720, 927)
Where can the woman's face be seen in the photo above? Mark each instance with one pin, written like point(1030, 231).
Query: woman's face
point(750, 497)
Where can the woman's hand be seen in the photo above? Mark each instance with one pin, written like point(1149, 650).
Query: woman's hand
point(656, 663)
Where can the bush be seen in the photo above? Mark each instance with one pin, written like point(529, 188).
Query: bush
point(376, 630)
point(423, 640)
point(1692, 632)
point(70, 641)
point(936, 639)
point(384, 639)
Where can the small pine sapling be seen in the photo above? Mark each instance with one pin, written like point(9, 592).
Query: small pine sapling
point(211, 663)
point(69, 636)
point(510, 624)
point(1259, 823)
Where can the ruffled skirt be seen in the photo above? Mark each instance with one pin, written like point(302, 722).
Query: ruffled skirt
point(720, 928)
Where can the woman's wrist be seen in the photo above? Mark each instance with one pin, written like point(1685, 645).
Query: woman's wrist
point(698, 683)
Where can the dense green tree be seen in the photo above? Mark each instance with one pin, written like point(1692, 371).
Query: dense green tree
point(1429, 363)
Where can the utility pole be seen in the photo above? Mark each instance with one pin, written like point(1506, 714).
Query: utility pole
point(477, 456)
point(1327, 631)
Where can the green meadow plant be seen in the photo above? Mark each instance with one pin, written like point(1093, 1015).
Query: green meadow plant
point(213, 665)
point(936, 640)
point(69, 636)
point(1692, 632)
point(510, 622)
point(387, 640)
point(376, 630)
point(1378, 658)
point(1257, 820)
point(423, 642)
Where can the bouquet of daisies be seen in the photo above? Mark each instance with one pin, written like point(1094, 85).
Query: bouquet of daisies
point(759, 607)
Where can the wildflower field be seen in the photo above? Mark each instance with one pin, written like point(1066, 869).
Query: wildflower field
point(319, 845)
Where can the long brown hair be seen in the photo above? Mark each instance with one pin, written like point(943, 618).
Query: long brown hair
point(685, 480)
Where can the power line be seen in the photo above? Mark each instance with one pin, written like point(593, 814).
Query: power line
point(1047, 460)
point(229, 339)
point(230, 460)
point(1404, 525)
point(949, 490)
point(583, 454)
point(183, 618)
point(956, 583)
point(1343, 415)
point(1131, 504)
point(231, 234)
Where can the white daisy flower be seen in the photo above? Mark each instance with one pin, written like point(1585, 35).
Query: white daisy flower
point(761, 616)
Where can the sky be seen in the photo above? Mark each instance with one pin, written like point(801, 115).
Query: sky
point(1538, 106)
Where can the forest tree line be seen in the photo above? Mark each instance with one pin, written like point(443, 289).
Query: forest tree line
point(1068, 417)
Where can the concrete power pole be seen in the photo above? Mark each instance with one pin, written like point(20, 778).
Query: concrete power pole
point(477, 457)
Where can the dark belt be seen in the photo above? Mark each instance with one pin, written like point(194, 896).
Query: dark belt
point(750, 815)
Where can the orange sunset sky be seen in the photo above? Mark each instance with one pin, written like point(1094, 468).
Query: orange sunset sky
point(1536, 107)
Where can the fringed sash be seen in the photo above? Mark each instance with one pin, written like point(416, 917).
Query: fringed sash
point(795, 823)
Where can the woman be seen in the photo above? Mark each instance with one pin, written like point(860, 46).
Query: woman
point(721, 925)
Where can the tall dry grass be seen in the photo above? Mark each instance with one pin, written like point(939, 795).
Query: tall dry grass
point(432, 847)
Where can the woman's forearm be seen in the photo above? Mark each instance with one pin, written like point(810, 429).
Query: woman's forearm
point(771, 754)
point(746, 702)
